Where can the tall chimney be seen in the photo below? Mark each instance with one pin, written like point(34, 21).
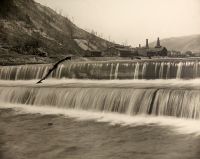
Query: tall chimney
point(147, 43)
point(158, 43)
point(139, 45)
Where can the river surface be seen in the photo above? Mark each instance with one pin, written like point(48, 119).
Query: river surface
point(30, 133)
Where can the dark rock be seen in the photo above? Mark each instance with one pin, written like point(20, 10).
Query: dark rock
point(50, 124)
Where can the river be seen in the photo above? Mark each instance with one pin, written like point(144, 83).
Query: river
point(71, 117)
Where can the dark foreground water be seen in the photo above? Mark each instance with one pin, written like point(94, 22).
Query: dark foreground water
point(29, 136)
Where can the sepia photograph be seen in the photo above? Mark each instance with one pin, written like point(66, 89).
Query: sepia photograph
point(99, 79)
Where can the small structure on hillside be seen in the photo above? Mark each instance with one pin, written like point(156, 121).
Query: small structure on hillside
point(93, 53)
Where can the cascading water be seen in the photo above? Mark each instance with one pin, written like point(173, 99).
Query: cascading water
point(179, 69)
point(136, 72)
point(161, 70)
point(168, 70)
point(116, 70)
point(184, 103)
point(23, 72)
point(159, 101)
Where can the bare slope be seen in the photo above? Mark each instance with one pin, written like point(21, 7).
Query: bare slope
point(32, 33)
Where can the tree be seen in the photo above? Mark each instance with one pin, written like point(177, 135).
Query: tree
point(5, 7)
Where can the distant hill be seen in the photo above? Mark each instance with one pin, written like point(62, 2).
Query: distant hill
point(183, 44)
point(32, 33)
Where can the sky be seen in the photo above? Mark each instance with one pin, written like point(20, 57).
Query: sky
point(132, 21)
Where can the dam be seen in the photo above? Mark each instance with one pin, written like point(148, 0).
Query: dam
point(102, 108)
point(122, 98)
point(89, 90)
point(109, 70)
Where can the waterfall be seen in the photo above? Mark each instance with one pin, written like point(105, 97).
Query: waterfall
point(168, 70)
point(195, 68)
point(181, 103)
point(156, 67)
point(179, 71)
point(59, 71)
point(116, 70)
point(106, 70)
point(143, 99)
point(111, 71)
point(161, 70)
point(136, 74)
point(144, 68)
point(23, 72)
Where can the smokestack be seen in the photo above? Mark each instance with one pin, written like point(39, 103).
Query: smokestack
point(147, 43)
point(139, 45)
point(158, 43)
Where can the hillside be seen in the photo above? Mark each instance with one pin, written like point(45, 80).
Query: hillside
point(32, 33)
point(183, 44)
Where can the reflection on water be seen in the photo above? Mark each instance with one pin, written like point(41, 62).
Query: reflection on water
point(29, 136)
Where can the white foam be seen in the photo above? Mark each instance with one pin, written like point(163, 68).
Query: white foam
point(194, 83)
point(181, 126)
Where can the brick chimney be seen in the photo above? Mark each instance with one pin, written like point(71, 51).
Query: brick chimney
point(158, 43)
point(147, 43)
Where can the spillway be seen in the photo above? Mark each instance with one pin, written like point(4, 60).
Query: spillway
point(110, 70)
point(156, 101)
point(132, 98)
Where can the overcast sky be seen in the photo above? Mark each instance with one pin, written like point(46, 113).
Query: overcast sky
point(132, 20)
